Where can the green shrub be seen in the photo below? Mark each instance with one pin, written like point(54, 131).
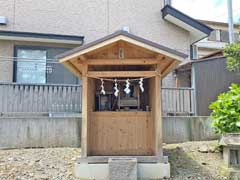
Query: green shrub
point(226, 111)
point(232, 52)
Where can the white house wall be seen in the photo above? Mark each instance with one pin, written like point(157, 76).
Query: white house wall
point(92, 19)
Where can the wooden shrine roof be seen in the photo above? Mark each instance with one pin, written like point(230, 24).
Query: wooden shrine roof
point(135, 50)
point(118, 33)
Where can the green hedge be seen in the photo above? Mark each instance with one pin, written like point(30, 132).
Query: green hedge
point(226, 111)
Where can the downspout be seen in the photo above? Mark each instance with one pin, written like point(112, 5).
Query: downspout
point(193, 75)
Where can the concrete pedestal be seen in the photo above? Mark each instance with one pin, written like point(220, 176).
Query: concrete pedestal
point(145, 171)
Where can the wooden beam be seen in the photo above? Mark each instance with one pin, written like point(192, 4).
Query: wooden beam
point(84, 138)
point(98, 62)
point(81, 59)
point(72, 68)
point(158, 115)
point(169, 68)
point(160, 57)
point(94, 74)
point(77, 65)
point(169, 62)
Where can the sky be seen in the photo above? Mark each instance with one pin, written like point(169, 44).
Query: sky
point(215, 10)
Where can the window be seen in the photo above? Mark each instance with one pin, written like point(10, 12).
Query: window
point(215, 35)
point(34, 65)
point(31, 66)
point(222, 36)
point(225, 36)
point(212, 36)
point(236, 37)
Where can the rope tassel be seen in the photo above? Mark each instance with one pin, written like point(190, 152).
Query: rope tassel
point(127, 90)
point(102, 87)
point(116, 88)
point(141, 84)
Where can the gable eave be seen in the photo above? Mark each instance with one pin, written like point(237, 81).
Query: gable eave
point(125, 36)
point(197, 29)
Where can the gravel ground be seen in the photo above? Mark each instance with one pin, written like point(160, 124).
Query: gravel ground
point(37, 164)
point(56, 163)
point(188, 163)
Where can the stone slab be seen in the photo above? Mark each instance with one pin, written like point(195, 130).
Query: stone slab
point(122, 168)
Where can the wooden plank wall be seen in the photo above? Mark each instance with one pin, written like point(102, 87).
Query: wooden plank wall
point(40, 98)
point(121, 133)
point(211, 79)
point(178, 101)
point(67, 98)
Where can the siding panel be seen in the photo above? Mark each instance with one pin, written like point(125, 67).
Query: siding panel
point(211, 78)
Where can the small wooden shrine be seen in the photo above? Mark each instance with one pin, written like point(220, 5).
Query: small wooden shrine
point(121, 94)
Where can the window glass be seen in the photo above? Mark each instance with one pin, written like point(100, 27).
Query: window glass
point(38, 65)
point(58, 74)
point(212, 36)
point(224, 36)
point(31, 66)
point(236, 37)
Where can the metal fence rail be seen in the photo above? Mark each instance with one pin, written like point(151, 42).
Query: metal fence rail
point(178, 101)
point(67, 98)
point(39, 98)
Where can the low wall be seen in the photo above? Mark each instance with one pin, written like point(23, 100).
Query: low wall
point(39, 132)
point(182, 129)
point(21, 132)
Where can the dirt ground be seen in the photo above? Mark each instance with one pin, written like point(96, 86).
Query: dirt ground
point(56, 163)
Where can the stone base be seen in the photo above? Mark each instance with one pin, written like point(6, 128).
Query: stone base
point(145, 171)
point(122, 168)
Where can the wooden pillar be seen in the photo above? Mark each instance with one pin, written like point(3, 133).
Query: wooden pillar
point(84, 112)
point(158, 114)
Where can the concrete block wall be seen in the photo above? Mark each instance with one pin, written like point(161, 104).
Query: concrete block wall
point(21, 132)
point(182, 129)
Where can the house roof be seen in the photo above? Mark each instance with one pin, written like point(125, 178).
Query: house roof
point(217, 23)
point(213, 56)
point(41, 37)
point(197, 29)
point(122, 34)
